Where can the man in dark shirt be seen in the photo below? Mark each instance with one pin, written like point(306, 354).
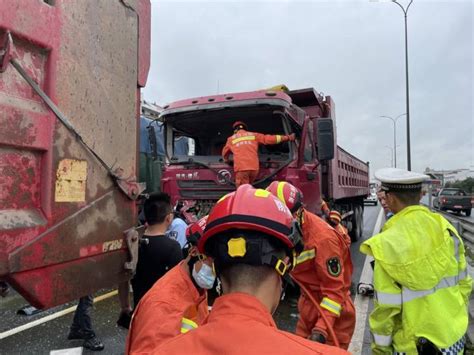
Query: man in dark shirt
point(157, 253)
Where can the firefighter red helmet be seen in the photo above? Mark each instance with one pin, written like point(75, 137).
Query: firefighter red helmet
point(290, 195)
point(239, 125)
point(335, 217)
point(248, 226)
point(195, 231)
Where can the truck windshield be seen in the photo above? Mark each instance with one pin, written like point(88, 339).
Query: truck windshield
point(207, 133)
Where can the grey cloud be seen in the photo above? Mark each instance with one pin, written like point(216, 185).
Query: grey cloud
point(351, 50)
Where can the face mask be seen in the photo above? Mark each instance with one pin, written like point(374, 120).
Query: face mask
point(205, 277)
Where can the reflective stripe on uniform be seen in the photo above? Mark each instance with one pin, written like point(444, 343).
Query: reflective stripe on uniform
point(410, 295)
point(382, 340)
point(244, 138)
point(456, 246)
point(305, 255)
point(456, 348)
point(278, 138)
point(331, 306)
point(388, 298)
point(187, 325)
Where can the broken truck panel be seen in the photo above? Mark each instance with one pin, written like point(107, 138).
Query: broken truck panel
point(62, 217)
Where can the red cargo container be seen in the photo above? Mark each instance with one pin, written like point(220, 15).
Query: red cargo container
point(63, 213)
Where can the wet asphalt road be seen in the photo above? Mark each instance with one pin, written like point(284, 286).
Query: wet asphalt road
point(52, 335)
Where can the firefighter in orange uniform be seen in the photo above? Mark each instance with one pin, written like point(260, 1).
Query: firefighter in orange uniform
point(325, 209)
point(334, 220)
point(176, 303)
point(244, 145)
point(325, 268)
point(252, 238)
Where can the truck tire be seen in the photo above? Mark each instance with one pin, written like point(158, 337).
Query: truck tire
point(360, 222)
point(468, 213)
point(357, 223)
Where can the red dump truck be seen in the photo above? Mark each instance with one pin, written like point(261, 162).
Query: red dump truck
point(314, 163)
point(70, 78)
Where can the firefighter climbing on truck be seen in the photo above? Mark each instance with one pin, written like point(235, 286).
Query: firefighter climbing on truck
point(325, 268)
point(244, 146)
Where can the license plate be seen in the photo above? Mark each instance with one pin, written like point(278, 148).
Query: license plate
point(457, 206)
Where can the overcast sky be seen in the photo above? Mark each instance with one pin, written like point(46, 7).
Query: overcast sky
point(351, 50)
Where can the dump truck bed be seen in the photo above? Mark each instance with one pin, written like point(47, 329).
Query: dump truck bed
point(62, 215)
point(349, 176)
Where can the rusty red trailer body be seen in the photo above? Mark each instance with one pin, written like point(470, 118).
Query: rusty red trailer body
point(62, 215)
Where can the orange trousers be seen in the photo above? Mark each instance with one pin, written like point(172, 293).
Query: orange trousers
point(245, 177)
point(343, 326)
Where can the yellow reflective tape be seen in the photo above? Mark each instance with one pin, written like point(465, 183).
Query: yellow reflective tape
point(241, 139)
point(280, 195)
point(187, 325)
point(261, 193)
point(236, 247)
point(278, 138)
point(331, 306)
point(223, 198)
point(305, 255)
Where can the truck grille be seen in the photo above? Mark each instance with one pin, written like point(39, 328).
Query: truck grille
point(202, 189)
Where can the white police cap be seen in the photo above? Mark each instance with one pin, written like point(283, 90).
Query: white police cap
point(394, 179)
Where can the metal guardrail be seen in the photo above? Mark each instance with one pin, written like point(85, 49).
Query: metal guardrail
point(465, 229)
point(464, 226)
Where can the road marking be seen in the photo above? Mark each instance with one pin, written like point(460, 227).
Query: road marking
point(68, 351)
point(361, 303)
point(51, 316)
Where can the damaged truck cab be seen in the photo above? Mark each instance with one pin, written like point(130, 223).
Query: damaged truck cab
point(314, 163)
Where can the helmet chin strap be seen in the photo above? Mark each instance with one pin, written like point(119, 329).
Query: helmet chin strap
point(193, 260)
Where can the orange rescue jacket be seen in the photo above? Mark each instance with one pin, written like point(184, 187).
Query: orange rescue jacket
point(171, 307)
point(244, 146)
point(324, 267)
point(240, 324)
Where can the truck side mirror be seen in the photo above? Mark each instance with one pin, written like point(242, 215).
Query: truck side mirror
point(153, 142)
point(325, 139)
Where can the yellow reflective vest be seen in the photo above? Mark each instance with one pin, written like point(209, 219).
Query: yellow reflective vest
point(421, 283)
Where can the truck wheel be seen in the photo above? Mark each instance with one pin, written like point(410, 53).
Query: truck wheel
point(360, 222)
point(468, 213)
point(357, 220)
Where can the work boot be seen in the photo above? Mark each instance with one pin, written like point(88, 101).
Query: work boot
point(93, 344)
point(124, 319)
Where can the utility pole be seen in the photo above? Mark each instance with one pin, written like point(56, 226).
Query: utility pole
point(405, 13)
point(394, 120)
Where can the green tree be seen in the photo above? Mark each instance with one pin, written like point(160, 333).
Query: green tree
point(466, 184)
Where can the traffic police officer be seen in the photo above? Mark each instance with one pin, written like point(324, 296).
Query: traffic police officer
point(420, 278)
